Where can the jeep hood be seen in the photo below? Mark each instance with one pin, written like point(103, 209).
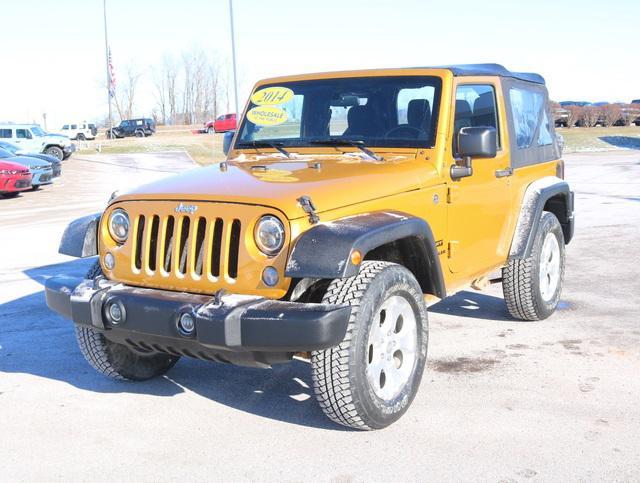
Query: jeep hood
point(331, 182)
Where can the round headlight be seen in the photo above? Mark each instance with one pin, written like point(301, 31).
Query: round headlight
point(119, 225)
point(269, 235)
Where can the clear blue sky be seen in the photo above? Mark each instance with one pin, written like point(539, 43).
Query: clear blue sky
point(53, 51)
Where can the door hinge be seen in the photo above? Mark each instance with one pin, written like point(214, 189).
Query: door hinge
point(453, 248)
point(449, 195)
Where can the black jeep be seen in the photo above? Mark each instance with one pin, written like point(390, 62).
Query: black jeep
point(132, 127)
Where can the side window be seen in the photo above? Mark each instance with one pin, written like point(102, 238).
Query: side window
point(529, 112)
point(74, 126)
point(5, 133)
point(124, 123)
point(139, 123)
point(65, 127)
point(475, 106)
point(23, 134)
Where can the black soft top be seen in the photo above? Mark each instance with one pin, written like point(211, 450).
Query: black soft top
point(491, 69)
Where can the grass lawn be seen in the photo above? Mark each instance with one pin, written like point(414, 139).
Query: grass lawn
point(207, 148)
point(580, 139)
point(203, 148)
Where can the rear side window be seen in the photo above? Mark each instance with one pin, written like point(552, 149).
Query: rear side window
point(5, 133)
point(22, 134)
point(529, 118)
point(74, 126)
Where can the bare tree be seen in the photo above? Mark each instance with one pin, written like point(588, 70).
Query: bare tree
point(165, 79)
point(574, 114)
point(589, 116)
point(609, 114)
point(126, 89)
point(203, 85)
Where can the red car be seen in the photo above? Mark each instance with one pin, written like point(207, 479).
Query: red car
point(14, 178)
point(223, 123)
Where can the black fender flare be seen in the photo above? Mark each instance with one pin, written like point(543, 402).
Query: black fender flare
point(324, 251)
point(80, 238)
point(554, 194)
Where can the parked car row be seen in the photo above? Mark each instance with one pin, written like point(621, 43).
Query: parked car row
point(21, 170)
point(32, 138)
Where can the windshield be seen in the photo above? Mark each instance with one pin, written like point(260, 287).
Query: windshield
point(4, 154)
point(37, 131)
point(399, 111)
point(11, 148)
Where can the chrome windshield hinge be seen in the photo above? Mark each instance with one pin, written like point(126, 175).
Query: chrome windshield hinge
point(309, 208)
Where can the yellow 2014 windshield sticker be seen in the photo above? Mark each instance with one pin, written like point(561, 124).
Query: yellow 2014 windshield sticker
point(271, 96)
point(267, 115)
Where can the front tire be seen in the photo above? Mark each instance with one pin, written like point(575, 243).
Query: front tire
point(117, 361)
point(370, 379)
point(532, 286)
point(54, 151)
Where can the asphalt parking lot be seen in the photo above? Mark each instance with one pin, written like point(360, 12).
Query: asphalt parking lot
point(501, 401)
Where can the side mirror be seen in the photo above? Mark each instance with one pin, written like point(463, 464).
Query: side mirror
point(226, 141)
point(473, 142)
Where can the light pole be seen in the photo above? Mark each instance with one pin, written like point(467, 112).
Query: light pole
point(106, 58)
point(233, 60)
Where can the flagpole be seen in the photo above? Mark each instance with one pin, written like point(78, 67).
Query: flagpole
point(233, 60)
point(106, 55)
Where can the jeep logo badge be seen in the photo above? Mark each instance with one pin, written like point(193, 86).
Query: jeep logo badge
point(182, 208)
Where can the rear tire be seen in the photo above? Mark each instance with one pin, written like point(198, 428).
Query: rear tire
point(370, 379)
point(80, 137)
point(532, 286)
point(139, 134)
point(117, 361)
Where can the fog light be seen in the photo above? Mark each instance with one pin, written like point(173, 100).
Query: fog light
point(270, 276)
point(115, 312)
point(109, 261)
point(186, 324)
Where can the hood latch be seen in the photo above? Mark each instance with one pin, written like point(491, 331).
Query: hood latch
point(309, 208)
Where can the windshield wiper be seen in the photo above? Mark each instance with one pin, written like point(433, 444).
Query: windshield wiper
point(348, 142)
point(265, 144)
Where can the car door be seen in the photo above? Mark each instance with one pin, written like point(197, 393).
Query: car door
point(479, 205)
point(24, 139)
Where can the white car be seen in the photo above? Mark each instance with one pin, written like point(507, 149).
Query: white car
point(81, 131)
point(32, 138)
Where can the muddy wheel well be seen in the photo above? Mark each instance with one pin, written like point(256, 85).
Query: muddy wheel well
point(410, 253)
point(558, 206)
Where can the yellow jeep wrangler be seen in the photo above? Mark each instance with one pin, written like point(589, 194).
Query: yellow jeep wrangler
point(348, 203)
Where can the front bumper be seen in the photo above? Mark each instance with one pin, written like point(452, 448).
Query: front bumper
point(42, 177)
point(240, 329)
point(12, 183)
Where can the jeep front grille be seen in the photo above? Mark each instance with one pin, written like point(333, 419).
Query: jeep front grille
point(209, 249)
point(185, 245)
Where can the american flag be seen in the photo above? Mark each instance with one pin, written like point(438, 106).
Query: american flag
point(112, 76)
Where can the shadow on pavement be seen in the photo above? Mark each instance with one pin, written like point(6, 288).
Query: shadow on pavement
point(473, 304)
point(628, 142)
point(34, 340)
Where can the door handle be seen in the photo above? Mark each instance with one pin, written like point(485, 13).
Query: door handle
point(503, 173)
